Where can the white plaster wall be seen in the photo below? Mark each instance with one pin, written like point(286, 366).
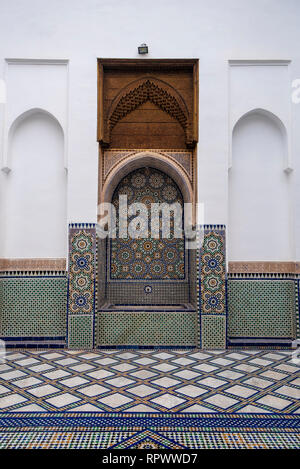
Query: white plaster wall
point(214, 32)
point(259, 225)
point(35, 191)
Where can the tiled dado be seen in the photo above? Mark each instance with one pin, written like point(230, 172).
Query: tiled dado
point(277, 314)
point(36, 264)
point(147, 329)
point(262, 308)
point(33, 308)
point(81, 285)
point(208, 327)
point(212, 287)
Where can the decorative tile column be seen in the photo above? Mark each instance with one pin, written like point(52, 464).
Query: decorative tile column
point(212, 287)
point(81, 285)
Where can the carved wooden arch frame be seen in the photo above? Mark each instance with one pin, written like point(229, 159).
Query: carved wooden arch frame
point(159, 93)
point(154, 160)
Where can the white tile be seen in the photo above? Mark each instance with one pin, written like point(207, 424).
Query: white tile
point(252, 409)
point(289, 392)
point(42, 391)
point(14, 356)
point(52, 355)
point(100, 374)
point(205, 367)
point(124, 367)
point(200, 356)
point(140, 408)
point(27, 361)
point(295, 382)
point(9, 375)
point(273, 356)
point(163, 355)
point(273, 375)
point(288, 368)
point(145, 361)
point(230, 374)
point(39, 368)
point(245, 367)
point(292, 361)
point(93, 390)
point(115, 400)
point(260, 361)
point(11, 399)
point(198, 409)
point(164, 367)
point(120, 381)
point(105, 361)
point(90, 355)
point(222, 361)
point(143, 374)
point(72, 382)
point(26, 382)
point(236, 356)
point(82, 367)
point(258, 382)
point(85, 408)
point(30, 408)
point(56, 374)
point(212, 382)
point(142, 390)
point(183, 361)
point(240, 391)
point(187, 374)
point(275, 402)
point(165, 382)
point(126, 355)
point(3, 389)
point(221, 401)
point(5, 367)
point(191, 390)
point(168, 401)
point(62, 400)
point(66, 361)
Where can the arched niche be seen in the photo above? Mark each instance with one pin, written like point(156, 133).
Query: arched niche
point(183, 287)
point(259, 194)
point(35, 205)
point(151, 159)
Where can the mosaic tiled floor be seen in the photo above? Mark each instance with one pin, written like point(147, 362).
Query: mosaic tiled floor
point(149, 398)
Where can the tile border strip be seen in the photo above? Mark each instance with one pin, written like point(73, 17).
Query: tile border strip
point(81, 297)
point(34, 264)
point(211, 286)
point(265, 267)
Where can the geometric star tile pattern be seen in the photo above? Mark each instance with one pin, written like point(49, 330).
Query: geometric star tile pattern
point(181, 381)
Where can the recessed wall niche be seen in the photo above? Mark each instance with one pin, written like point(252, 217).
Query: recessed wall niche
point(147, 131)
point(36, 186)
